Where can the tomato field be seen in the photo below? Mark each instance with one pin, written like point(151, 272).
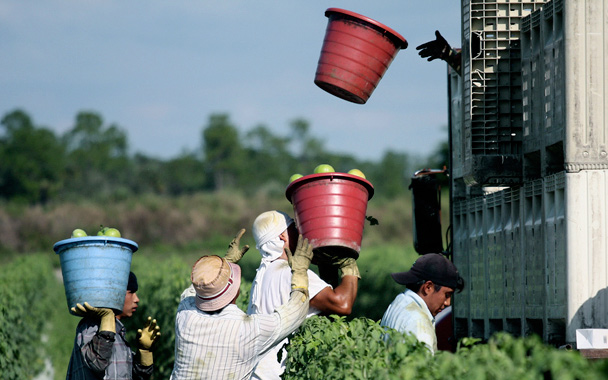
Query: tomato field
point(332, 347)
point(36, 328)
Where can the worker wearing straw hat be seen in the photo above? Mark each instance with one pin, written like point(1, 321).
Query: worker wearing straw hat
point(274, 231)
point(100, 347)
point(214, 339)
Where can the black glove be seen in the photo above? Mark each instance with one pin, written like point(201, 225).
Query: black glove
point(439, 48)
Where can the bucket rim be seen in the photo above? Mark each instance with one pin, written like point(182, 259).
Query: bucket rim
point(403, 42)
point(91, 239)
point(337, 175)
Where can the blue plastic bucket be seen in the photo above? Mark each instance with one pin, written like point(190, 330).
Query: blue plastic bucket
point(95, 269)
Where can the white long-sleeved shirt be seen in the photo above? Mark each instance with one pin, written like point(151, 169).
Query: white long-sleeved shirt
point(276, 286)
point(409, 313)
point(229, 343)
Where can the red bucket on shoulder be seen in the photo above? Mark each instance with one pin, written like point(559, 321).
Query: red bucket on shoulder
point(356, 53)
point(330, 209)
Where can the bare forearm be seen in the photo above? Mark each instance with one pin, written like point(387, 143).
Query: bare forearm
point(339, 300)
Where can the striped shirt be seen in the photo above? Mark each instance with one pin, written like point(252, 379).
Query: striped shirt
point(96, 357)
point(228, 344)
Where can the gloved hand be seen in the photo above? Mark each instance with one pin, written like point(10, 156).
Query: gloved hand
point(299, 262)
point(108, 320)
point(347, 265)
point(234, 253)
point(439, 48)
point(146, 338)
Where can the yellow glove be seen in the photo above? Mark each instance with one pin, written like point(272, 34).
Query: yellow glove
point(146, 338)
point(108, 320)
point(347, 265)
point(300, 261)
point(234, 253)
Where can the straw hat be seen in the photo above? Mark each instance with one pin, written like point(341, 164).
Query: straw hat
point(216, 282)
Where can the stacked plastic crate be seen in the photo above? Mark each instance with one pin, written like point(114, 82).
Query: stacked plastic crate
point(510, 247)
point(487, 150)
point(542, 49)
point(456, 131)
point(492, 117)
point(513, 259)
point(536, 263)
point(460, 234)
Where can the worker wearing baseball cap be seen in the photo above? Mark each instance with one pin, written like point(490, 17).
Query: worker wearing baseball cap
point(430, 284)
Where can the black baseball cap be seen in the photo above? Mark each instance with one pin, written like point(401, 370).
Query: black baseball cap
point(431, 267)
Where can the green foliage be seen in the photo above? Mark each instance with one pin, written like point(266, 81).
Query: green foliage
point(200, 221)
point(223, 151)
point(91, 161)
point(61, 328)
point(263, 148)
point(184, 175)
point(391, 174)
point(32, 160)
point(97, 160)
point(323, 348)
point(25, 289)
point(332, 348)
point(377, 289)
point(505, 357)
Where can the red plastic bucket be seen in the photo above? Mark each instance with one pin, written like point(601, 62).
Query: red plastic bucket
point(330, 209)
point(356, 53)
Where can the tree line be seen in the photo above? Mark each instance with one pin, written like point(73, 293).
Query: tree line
point(92, 161)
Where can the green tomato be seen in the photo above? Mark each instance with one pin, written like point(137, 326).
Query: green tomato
point(324, 168)
point(294, 177)
point(113, 232)
point(102, 231)
point(78, 233)
point(356, 172)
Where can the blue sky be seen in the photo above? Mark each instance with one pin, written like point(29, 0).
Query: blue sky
point(158, 69)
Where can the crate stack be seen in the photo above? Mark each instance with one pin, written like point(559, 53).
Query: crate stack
point(492, 98)
point(510, 247)
point(529, 143)
point(543, 91)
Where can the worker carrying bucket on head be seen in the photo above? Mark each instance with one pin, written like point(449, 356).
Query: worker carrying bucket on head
point(100, 347)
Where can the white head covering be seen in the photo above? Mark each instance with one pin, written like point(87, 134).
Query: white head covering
point(266, 230)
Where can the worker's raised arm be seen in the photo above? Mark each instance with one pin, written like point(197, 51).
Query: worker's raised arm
point(439, 48)
point(339, 300)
